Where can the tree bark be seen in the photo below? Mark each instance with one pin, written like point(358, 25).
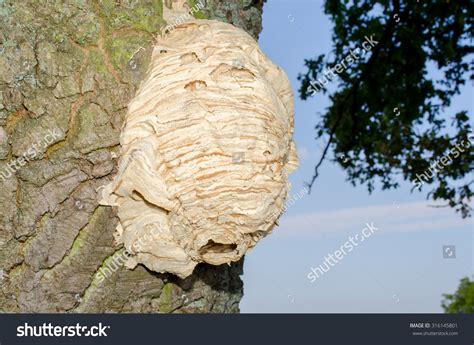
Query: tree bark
point(67, 72)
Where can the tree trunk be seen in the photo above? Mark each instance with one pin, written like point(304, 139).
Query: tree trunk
point(67, 72)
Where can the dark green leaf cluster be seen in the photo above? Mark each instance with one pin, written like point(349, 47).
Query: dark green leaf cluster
point(389, 115)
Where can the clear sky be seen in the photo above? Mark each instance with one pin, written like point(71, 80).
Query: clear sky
point(398, 269)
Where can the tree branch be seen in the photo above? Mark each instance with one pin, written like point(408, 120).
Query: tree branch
point(387, 34)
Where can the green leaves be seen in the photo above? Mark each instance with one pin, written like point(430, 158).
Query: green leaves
point(462, 301)
point(389, 114)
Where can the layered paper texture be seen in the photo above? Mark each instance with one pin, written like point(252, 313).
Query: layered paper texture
point(206, 151)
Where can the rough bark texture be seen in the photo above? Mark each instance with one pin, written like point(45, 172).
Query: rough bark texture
point(70, 68)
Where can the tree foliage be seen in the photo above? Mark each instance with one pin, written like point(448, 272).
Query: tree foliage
point(388, 117)
point(462, 301)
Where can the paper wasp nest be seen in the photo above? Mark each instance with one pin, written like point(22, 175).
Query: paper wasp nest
point(206, 151)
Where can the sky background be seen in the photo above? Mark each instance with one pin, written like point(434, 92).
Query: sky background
point(399, 269)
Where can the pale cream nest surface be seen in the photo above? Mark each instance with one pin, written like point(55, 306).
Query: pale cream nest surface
point(206, 151)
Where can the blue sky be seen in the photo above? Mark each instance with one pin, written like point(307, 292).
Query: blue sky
point(400, 268)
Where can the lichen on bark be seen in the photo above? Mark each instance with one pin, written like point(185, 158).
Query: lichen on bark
point(72, 66)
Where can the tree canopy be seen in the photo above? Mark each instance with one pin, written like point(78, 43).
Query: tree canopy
point(462, 301)
point(389, 117)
